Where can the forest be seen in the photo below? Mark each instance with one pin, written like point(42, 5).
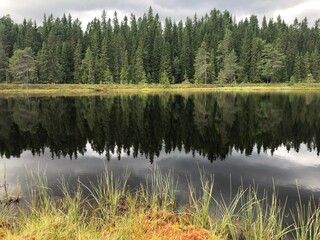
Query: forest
point(215, 48)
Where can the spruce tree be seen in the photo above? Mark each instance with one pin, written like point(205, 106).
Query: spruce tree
point(271, 62)
point(164, 79)
point(87, 68)
point(77, 58)
point(66, 61)
point(314, 65)
point(139, 74)
point(213, 66)
point(166, 65)
point(3, 62)
point(124, 74)
point(202, 65)
point(50, 70)
point(230, 70)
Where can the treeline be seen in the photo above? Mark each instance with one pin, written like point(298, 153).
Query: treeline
point(212, 125)
point(214, 48)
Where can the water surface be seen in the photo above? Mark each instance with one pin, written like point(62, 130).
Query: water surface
point(266, 139)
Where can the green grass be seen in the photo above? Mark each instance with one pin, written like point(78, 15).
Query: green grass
point(101, 89)
point(114, 211)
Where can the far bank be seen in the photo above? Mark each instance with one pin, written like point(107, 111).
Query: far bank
point(97, 89)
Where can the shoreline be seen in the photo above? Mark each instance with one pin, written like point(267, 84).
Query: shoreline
point(102, 89)
point(113, 211)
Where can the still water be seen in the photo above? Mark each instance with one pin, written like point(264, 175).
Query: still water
point(263, 139)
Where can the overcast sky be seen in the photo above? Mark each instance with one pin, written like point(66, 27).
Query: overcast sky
point(176, 9)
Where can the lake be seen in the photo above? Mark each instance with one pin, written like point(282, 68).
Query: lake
point(269, 140)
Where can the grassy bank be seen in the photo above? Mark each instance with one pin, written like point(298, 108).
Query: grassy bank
point(112, 211)
point(76, 89)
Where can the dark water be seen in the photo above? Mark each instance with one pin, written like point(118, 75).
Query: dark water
point(268, 139)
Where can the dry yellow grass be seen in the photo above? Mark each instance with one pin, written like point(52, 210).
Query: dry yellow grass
point(102, 89)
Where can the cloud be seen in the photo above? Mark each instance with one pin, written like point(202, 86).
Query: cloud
point(176, 9)
point(309, 9)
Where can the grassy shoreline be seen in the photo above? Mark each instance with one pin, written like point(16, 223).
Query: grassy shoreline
point(98, 89)
point(113, 211)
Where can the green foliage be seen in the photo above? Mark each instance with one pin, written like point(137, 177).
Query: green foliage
point(229, 72)
point(124, 74)
point(22, 65)
point(87, 68)
point(50, 69)
point(164, 79)
point(310, 78)
point(138, 73)
point(292, 81)
point(3, 62)
point(66, 61)
point(108, 78)
point(202, 65)
point(272, 61)
point(77, 58)
point(272, 54)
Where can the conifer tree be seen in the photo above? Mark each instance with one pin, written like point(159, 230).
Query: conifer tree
point(275, 52)
point(213, 66)
point(164, 79)
point(3, 62)
point(139, 74)
point(108, 78)
point(229, 72)
point(103, 60)
point(271, 62)
point(124, 74)
point(314, 65)
point(88, 67)
point(202, 65)
point(22, 65)
point(166, 65)
point(50, 70)
point(77, 58)
point(66, 60)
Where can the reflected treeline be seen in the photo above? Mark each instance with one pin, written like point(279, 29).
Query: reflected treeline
point(210, 124)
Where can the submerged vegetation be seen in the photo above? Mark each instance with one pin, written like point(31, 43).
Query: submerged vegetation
point(214, 48)
point(151, 211)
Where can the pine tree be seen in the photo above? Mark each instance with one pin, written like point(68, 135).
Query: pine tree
point(3, 62)
point(108, 78)
point(274, 53)
point(255, 55)
point(118, 56)
point(139, 74)
point(22, 65)
point(103, 62)
point(314, 65)
point(245, 58)
point(298, 71)
point(50, 70)
point(88, 67)
point(202, 65)
point(213, 66)
point(166, 65)
point(66, 61)
point(77, 58)
point(187, 51)
point(164, 79)
point(271, 62)
point(156, 57)
point(230, 69)
point(124, 74)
